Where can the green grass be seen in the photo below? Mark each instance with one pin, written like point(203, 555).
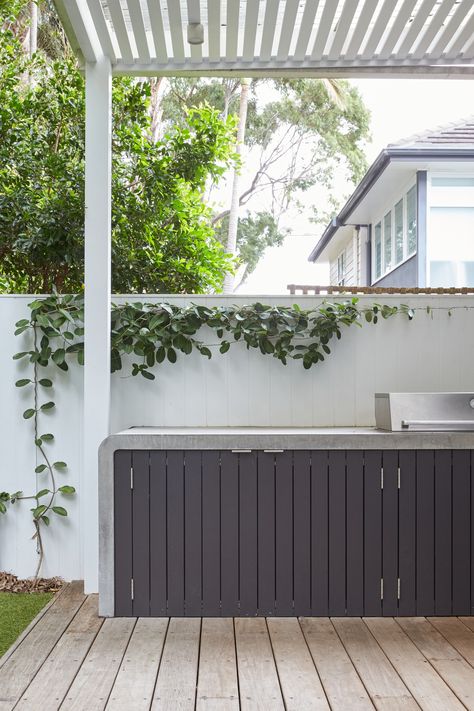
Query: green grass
point(16, 612)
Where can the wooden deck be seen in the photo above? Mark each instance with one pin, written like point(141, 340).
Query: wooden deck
point(70, 659)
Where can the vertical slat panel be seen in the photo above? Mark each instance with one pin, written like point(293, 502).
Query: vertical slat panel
point(416, 26)
point(176, 29)
point(319, 533)
point(232, 31)
point(343, 27)
point(407, 532)
point(443, 508)
point(121, 32)
point(302, 533)
point(373, 533)
point(158, 534)
point(307, 22)
point(251, 17)
point(284, 533)
point(287, 29)
point(214, 29)
point(462, 554)
point(248, 533)
point(337, 533)
point(361, 29)
point(156, 20)
point(425, 533)
point(229, 534)
point(450, 28)
point(138, 25)
point(378, 28)
point(327, 17)
point(268, 34)
point(123, 533)
point(211, 539)
point(141, 533)
point(266, 533)
point(390, 533)
point(355, 533)
point(175, 532)
point(193, 488)
point(400, 22)
point(436, 22)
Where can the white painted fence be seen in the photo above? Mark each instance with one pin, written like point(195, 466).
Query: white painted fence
point(433, 352)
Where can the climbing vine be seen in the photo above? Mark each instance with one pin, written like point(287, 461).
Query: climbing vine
point(152, 333)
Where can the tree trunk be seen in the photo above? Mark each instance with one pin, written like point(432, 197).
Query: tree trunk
point(33, 39)
point(234, 202)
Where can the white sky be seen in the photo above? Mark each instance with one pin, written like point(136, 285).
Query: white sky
point(399, 108)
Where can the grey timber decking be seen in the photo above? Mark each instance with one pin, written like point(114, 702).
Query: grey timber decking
point(72, 659)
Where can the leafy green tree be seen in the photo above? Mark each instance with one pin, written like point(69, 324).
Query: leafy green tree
point(162, 233)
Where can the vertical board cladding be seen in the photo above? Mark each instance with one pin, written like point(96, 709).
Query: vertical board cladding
point(290, 533)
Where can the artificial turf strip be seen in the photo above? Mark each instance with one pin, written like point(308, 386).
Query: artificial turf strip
point(16, 612)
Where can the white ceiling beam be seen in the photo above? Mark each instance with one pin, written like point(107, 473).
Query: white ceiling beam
point(306, 27)
point(138, 25)
point(287, 29)
point(468, 51)
point(176, 29)
point(462, 39)
point(214, 29)
point(324, 68)
point(361, 29)
point(433, 28)
point(250, 32)
point(121, 31)
point(194, 15)
point(324, 28)
point(77, 15)
point(343, 27)
point(381, 23)
point(416, 27)
point(269, 24)
point(451, 28)
point(401, 21)
point(102, 29)
point(232, 30)
point(157, 29)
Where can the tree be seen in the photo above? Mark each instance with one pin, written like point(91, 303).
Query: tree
point(305, 132)
point(162, 236)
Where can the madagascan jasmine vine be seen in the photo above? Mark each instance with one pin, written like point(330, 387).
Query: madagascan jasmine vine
point(149, 334)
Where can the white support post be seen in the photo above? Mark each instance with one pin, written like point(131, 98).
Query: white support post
point(97, 302)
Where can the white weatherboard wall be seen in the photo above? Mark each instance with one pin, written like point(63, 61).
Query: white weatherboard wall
point(433, 352)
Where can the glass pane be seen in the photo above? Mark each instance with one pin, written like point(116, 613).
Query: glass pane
point(411, 220)
point(387, 241)
point(378, 249)
point(451, 246)
point(399, 232)
point(452, 182)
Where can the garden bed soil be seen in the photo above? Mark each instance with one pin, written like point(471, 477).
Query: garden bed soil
point(11, 583)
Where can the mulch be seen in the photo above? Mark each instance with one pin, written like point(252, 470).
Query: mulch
point(11, 583)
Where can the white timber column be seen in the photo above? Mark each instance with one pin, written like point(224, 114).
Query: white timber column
point(98, 196)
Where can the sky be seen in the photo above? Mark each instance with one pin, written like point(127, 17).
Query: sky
point(399, 108)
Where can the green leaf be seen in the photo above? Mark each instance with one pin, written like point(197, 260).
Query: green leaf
point(17, 356)
point(38, 511)
point(60, 465)
point(160, 354)
point(22, 322)
point(206, 352)
point(224, 347)
point(46, 382)
point(47, 405)
point(171, 353)
point(3, 508)
point(40, 468)
point(21, 383)
point(47, 437)
point(59, 356)
point(43, 492)
point(146, 374)
point(45, 519)
point(67, 489)
point(29, 413)
point(60, 510)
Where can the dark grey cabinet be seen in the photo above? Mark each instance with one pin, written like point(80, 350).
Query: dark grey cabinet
point(294, 533)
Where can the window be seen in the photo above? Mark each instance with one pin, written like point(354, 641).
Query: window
point(395, 236)
point(399, 232)
point(387, 241)
point(411, 220)
point(378, 250)
point(341, 268)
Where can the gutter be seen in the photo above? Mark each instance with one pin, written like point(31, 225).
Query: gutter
point(385, 157)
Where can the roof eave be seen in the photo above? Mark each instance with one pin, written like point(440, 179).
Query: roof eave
point(385, 157)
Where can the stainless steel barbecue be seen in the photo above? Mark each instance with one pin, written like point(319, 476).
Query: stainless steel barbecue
point(398, 412)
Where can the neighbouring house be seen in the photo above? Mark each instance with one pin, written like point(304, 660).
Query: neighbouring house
point(410, 221)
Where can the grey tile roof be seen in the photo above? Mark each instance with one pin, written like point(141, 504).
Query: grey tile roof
point(453, 134)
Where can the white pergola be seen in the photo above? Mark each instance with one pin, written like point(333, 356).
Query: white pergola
point(312, 38)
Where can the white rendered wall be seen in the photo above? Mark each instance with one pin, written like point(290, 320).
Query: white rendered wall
point(239, 388)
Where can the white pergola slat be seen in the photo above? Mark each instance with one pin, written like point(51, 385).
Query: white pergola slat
point(284, 38)
point(259, 37)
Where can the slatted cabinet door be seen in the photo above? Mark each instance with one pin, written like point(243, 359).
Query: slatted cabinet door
point(293, 533)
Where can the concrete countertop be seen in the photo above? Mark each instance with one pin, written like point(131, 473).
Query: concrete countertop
point(282, 438)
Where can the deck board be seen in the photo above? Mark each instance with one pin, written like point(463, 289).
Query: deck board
point(21, 667)
point(72, 660)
